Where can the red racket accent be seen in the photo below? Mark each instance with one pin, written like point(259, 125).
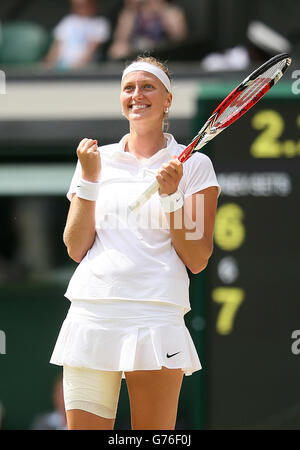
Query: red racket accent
point(187, 152)
point(224, 104)
point(255, 88)
point(246, 108)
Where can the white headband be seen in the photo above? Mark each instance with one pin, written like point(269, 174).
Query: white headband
point(151, 68)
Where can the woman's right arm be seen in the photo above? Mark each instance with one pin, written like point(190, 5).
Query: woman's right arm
point(80, 229)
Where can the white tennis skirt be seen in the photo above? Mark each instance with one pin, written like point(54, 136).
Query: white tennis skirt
point(124, 336)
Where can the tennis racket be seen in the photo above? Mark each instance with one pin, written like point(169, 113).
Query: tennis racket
point(239, 101)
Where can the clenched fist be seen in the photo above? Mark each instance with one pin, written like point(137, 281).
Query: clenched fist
point(89, 157)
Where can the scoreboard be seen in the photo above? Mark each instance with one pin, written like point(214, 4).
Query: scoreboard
point(253, 277)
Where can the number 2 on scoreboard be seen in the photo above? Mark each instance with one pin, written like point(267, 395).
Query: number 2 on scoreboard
point(268, 143)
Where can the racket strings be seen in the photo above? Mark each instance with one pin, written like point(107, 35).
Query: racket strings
point(273, 70)
point(244, 99)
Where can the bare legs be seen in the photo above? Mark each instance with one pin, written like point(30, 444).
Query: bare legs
point(153, 398)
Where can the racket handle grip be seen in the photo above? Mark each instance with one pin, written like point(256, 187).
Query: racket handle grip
point(144, 197)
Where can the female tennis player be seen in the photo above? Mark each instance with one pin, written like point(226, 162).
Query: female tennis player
point(130, 291)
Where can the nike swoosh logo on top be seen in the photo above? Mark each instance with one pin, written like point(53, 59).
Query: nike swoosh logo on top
point(173, 354)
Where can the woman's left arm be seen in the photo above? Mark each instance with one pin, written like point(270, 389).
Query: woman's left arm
point(192, 228)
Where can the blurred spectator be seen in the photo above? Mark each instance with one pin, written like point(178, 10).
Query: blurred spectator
point(54, 420)
point(145, 24)
point(78, 36)
point(262, 43)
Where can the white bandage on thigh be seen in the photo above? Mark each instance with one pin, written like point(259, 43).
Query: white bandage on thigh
point(94, 391)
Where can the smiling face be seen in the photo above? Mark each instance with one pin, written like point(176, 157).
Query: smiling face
point(144, 98)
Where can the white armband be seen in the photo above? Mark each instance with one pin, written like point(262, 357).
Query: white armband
point(87, 190)
point(171, 203)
